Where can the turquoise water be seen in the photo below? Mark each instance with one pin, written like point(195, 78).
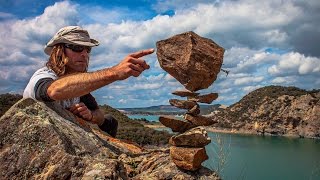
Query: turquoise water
point(154, 118)
point(147, 117)
point(262, 158)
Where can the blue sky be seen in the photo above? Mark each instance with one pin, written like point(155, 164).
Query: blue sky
point(267, 42)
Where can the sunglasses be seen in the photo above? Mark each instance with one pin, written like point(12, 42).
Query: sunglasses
point(77, 48)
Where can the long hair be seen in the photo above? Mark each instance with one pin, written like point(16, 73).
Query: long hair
point(58, 60)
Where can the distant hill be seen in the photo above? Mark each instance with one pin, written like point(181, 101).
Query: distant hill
point(274, 110)
point(134, 131)
point(7, 100)
point(167, 109)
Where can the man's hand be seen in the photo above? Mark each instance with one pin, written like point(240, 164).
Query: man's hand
point(81, 110)
point(132, 65)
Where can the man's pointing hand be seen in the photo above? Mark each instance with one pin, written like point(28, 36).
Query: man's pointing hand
point(132, 65)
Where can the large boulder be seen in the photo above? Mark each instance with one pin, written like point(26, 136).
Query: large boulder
point(44, 141)
point(191, 59)
point(188, 158)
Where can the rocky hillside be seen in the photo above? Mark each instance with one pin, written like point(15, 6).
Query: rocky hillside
point(131, 130)
point(275, 110)
point(127, 130)
point(44, 141)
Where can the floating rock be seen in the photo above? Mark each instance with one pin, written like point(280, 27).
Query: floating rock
point(188, 158)
point(195, 110)
point(175, 124)
point(207, 98)
point(185, 93)
point(199, 120)
point(196, 137)
point(191, 59)
point(182, 104)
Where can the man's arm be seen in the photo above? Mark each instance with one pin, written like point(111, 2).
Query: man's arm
point(77, 85)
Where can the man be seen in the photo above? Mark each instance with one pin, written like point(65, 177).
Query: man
point(65, 78)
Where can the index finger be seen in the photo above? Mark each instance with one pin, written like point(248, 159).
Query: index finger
point(141, 53)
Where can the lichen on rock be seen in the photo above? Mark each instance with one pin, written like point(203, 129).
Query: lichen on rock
point(45, 141)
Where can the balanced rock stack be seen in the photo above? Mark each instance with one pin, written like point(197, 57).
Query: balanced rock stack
point(195, 62)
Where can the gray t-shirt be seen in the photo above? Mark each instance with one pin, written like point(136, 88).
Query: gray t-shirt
point(45, 72)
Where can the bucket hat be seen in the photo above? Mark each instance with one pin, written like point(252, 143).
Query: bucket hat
point(71, 35)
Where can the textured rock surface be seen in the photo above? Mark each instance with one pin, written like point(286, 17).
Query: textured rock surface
point(195, 110)
point(274, 110)
point(207, 98)
point(195, 137)
point(159, 166)
point(188, 158)
point(193, 60)
point(199, 120)
point(185, 93)
point(175, 124)
point(44, 141)
point(38, 143)
point(182, 104)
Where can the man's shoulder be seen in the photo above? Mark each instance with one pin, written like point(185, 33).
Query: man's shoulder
point(46, 72)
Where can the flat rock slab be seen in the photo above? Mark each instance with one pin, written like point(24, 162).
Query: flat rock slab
point(193, 60)
point(182, 104)
point(195, 110)
point(185, 93)
point(175, 124)
point(199, 120)
point(188, 158)
point(195, 137)
point(207, 98)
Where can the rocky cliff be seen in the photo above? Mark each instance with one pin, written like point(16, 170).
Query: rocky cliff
point(40, 141)
point(274, 110)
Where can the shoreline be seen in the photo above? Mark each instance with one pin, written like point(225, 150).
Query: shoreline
point(232, 131)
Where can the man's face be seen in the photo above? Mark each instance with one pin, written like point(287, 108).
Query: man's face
point(78, 61)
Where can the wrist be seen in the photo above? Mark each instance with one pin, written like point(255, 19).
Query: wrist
point(91, 119)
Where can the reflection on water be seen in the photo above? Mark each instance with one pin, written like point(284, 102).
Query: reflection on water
point(257, 157)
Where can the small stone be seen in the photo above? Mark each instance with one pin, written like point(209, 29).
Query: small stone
point(195, 110)
point(185, 93)
point(175, 124)
point(193, 60)
point(182, 104)
point(195, 137)
point(188, 158)
point(208, 98)
point(199, 120)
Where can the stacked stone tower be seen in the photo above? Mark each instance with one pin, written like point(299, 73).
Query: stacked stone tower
point(195, 62)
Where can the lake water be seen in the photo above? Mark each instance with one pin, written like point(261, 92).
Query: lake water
point(264, 158)
point(256, 157)
point(147, 117)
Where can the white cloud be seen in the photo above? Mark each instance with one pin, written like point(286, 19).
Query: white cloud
point(122, 101)
point(295, 64)
point(146, 86)
point(248, 89)
point(248, 80)
point(245, 28)
point(283, 80)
